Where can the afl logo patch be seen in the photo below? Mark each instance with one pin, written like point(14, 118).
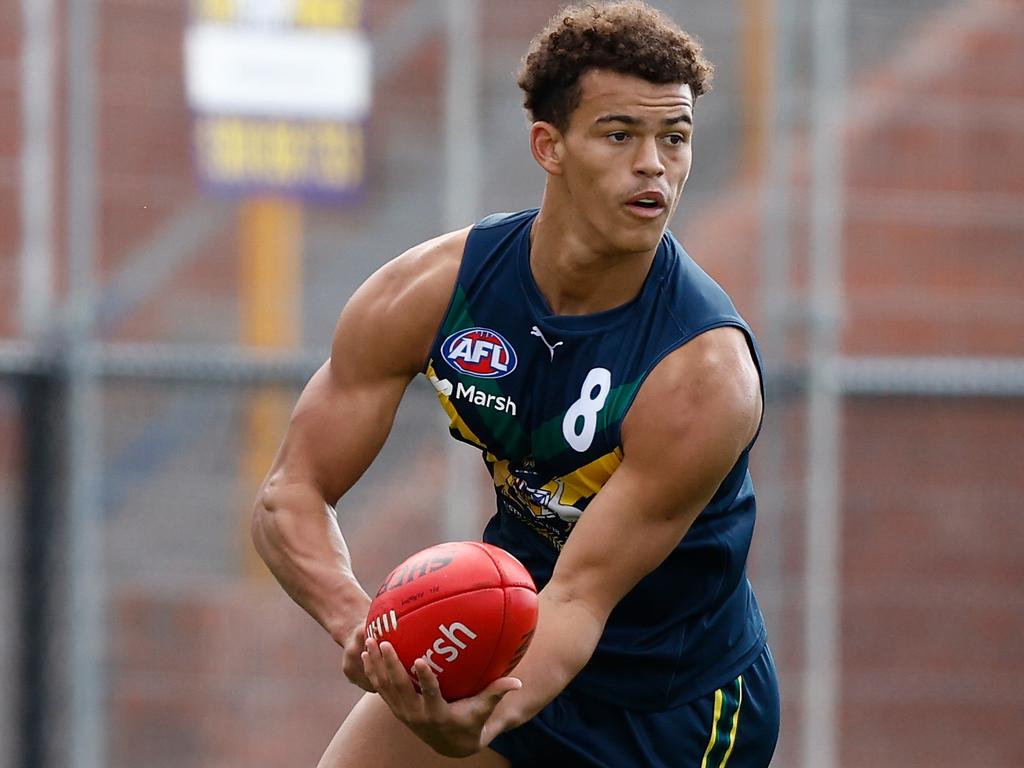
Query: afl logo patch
point(480, 352)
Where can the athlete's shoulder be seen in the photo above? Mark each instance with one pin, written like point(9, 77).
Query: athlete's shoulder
point(402, 304)
point(710, 379)
point(718, 345)
point(697, 301)
point(688, 274)
point(419, 279)
point(424, 266)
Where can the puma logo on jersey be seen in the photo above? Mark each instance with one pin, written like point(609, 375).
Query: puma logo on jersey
point(480, 352)
point(535, 331)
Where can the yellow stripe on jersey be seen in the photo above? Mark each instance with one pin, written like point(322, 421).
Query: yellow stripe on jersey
point(564, 491)
point(457, 423)
point(500, 472)
point(714, 728)
point(735, 725)
point(589, 479)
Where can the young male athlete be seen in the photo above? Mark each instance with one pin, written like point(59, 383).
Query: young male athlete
point(615, 394)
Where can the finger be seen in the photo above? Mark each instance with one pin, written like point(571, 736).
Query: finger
point(360, 637)
point(394, 668)
point(355, 671)
point(430, 687)
point(373, 664)
point(364, 683)
point(359, 673)
point(499, 689)
point(381, 662)
point(370, 670)
point(354, 648)
point(375, 653)
point(368, 654)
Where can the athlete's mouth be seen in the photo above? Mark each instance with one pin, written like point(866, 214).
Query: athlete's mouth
point(649, 203)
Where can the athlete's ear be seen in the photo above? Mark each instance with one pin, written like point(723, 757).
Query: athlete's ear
point(547, 145)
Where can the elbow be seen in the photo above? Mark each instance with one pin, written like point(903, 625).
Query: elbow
point(578, 621)
point(261, 521)
point(570, 595)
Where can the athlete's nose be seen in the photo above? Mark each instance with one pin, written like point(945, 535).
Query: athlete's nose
point(648, 160)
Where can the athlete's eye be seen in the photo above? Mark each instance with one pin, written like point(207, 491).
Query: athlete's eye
point(618, 137)
point(676, 139)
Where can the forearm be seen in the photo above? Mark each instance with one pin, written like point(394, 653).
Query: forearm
point(567, 634)
point(297, 535)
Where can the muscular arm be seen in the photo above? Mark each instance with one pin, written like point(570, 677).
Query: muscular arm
point(695, 414)
point(339, 424)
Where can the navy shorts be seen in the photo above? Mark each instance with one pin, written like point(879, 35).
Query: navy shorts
point(735, 726)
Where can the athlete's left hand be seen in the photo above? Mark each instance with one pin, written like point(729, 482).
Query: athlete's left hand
point(453, 729)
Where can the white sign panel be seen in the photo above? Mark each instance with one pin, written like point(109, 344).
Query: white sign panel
point(289, 72)
point(280, 94)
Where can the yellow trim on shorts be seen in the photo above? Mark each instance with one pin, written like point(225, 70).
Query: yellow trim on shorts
point(714, 728)
point(719, 750)
point(735, 725)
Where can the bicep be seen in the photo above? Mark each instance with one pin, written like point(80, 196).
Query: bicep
point(346, 411)
point(336, 430)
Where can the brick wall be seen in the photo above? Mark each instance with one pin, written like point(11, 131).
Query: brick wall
point(10, 139)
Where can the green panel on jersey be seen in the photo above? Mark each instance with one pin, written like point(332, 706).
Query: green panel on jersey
point(548, 438)
point(502, 426)
point(458, 316)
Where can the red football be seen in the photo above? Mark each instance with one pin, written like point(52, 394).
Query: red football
point(468, 608)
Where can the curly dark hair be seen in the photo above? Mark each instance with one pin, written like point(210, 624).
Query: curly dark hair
point(628, 37)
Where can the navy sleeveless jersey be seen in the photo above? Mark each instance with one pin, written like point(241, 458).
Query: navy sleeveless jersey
point(543, 396)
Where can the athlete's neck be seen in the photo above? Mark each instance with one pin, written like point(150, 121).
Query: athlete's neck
point(574, 274)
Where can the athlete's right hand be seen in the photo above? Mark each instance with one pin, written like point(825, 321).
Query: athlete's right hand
point(453, 729)
point(352, 661)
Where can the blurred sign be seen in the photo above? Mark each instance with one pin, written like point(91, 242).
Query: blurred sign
point(280, 92)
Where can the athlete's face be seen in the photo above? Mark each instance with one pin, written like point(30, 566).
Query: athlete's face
point(625, 158)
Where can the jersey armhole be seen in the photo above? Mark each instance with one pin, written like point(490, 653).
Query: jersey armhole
point(755, 355)
point(482, 231)
point(448, 309)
